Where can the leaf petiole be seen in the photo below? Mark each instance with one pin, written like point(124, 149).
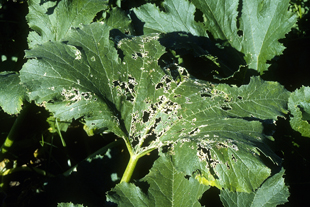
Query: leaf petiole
point(132, 164)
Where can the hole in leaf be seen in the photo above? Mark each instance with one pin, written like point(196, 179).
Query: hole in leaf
point(233, 158)
point(193, 131)
point(221, 145)
point(116, 83)
point(146, 116)
point(226, 107)
point(187, 177)
point(126, 89)
point(240, 97)
point(159, 85)
point(167, 80)
point(205, 95)
point(151, 136)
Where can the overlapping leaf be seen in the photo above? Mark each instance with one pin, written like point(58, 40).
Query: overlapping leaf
point(299, 105)
point(262, 24)
point(118, 19)
point(172, 189)
point(253, 31)
point(51, 20)
point(125, 91)
point(12, 93)
point(272, 193)
point(178, 16)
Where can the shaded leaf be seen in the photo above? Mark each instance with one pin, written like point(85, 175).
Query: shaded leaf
point(299, 106)
point(55, 125)
point(13, 94)
point(227, 60)
point(118, 19)
point(262, 24)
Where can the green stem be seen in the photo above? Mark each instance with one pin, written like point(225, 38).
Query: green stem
point(130, 168)
point(132, 164)
point(13, 132)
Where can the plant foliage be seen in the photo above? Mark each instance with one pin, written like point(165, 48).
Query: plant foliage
point(87, 62)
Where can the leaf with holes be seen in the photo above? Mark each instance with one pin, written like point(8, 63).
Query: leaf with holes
point(52, 20)
point(124, 90)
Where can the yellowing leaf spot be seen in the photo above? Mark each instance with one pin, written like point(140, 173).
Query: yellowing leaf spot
point(210, 182)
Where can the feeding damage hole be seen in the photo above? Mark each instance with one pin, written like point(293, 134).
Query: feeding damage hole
point(138, 54)
point(205, 93)
point(73, 95)
point(195, 131)
point(226, 107)
point(204, 154)
point(165, 83)
point(151, 135)
point(126, 88)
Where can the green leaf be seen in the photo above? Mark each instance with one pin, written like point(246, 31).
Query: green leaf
point(168, 187)
point(152, 107)
point(272, 193)
point(77, 91)
point(118, 19)
point(299, 105)
point(69, 205)
point(178, 16)
point(13, 94)
point(262, 24)
point(52, 20)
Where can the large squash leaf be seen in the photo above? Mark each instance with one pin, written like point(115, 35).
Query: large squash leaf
point(51, 20)
point(262, 24)
point(168, 187)
point(125, 91)
point(253, 31)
